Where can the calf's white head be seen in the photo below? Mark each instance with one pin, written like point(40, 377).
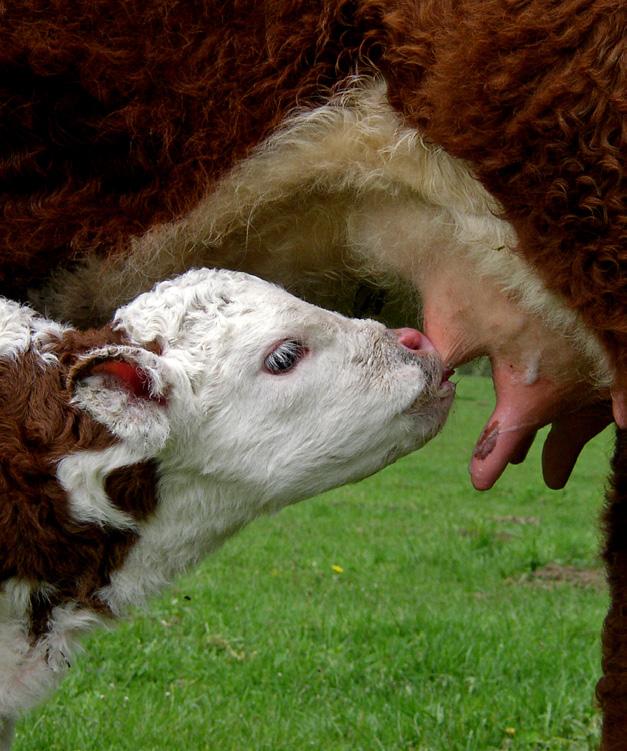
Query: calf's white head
point(232, 378)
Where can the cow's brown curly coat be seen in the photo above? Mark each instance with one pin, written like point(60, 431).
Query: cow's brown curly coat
point(118, 114)
point(612, 688)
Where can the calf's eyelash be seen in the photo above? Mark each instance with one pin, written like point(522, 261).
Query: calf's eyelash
point(284, 357)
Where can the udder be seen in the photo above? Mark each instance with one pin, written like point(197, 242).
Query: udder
point(543, 372)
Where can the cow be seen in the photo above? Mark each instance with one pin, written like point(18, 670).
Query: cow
point(360, 152)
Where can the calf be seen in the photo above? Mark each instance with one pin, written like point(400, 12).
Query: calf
point(129, 452)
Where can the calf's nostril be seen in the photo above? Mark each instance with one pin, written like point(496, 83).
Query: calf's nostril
point(413, 339)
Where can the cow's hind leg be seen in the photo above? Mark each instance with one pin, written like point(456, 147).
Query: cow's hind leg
point(612, 688)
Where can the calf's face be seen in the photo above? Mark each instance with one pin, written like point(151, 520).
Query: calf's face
point(257, 389)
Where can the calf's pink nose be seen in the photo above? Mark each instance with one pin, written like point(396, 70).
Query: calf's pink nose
point(413, 339)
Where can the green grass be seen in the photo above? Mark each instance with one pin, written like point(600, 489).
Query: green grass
point(440, 634)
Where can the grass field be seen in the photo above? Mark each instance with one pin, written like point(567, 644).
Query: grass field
point(406, 612)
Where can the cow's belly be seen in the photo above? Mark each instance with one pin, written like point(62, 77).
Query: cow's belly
point(350, 209)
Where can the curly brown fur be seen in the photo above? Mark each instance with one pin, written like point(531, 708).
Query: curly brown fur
point(118, 114)
point(612, 688)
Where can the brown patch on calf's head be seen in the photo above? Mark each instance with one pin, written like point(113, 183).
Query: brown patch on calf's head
point(132, 489)
point(40, 540)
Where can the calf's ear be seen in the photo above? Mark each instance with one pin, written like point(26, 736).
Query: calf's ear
point(125, 389)
point(132, 370)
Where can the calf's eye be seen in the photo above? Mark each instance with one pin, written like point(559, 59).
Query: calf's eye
point(284, 356)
